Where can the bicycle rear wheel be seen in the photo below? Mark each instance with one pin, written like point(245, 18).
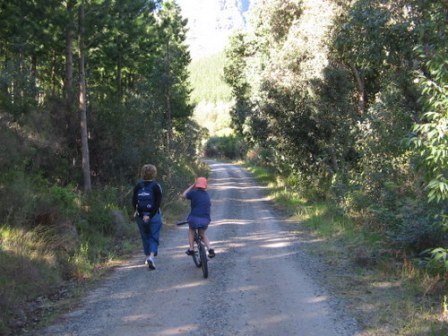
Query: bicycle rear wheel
point(204, 263)
point(196, 255)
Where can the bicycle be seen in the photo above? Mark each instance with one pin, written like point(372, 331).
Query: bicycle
point(199, 251)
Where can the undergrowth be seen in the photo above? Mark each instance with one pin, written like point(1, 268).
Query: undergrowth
point(52, 236)
point(387, 289)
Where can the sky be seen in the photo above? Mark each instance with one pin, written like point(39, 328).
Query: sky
point(211, 22)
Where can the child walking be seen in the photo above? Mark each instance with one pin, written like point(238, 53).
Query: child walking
point(146, 201)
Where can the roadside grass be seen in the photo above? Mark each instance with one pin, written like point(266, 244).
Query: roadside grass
point(175, 212)
point(24, 273)
point(386, 292)
point(36, 279)
point(39, 282)
point(56, 242)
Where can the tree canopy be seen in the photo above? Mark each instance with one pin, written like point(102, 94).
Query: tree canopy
point(351, 99)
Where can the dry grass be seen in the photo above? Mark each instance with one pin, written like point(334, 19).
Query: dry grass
point(26, 271)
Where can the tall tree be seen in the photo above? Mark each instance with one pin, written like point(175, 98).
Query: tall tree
point(69, 39)
point(172, 70)
point(83, 100)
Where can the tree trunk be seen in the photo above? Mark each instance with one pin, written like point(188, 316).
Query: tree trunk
point(54, 82)
point(69, 94)
point(68, 81)
point(34, 77)
point(169, 124)
point(334, 160)
point(4, 86)
point(119, 70)
point(361, 90)
point(83, 103)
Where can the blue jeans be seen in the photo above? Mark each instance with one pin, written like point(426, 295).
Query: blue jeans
point(150, 233)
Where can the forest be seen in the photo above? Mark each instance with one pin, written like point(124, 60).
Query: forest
point(344, 101)
point(349, 102)
point(89, 92)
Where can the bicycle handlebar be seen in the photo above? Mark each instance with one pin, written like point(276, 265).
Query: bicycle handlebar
point(182, 223)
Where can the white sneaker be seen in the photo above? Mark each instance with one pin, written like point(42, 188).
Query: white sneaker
point(151, 264)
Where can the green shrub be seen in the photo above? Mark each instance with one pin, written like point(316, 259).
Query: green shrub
point(417, 233)
point(97, 206)
point(19, 197)
point(435, 261)
point(230, 147)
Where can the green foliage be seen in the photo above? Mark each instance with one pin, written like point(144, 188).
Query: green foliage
point(138, 104)
point(206, 76)
point(97, 209)
point(334, 105)
point(215, 117)
point(435, 261)
point(64, 198)
point(264, 175)
point(230, 147)
point(234, 76)
point(170, 74)
point(26, 271)
point(136, 58)
point(432, 139)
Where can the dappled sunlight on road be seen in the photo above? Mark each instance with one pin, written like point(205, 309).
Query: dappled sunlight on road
point(257, 284)
point(262, 238)
point(241, 201)
point(182, 286)
point(276, 245)
point(180, 330)
point(229, 221)
point(124, 268)
point(234, 186)
point(236, 221)
point(139, 317)
point(317, 299)
point(254, 200)
point(244, 289)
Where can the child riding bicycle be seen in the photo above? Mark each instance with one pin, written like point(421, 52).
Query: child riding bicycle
point(199, 217)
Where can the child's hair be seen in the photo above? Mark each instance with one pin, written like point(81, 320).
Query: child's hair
point(149, 172)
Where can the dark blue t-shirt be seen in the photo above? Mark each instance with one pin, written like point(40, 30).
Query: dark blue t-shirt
point(200, 203)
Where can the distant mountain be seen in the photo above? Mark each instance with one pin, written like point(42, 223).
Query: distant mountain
point(210, 23)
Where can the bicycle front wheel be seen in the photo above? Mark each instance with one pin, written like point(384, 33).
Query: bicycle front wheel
point(204, 264)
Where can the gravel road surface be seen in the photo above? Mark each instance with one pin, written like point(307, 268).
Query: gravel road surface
point(260, 282)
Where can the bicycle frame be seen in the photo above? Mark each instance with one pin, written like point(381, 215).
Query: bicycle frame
point(200, 254)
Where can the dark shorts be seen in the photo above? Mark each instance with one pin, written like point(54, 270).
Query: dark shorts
point(198, 222)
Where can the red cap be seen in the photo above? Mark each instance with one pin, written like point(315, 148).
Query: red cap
point(201, 182)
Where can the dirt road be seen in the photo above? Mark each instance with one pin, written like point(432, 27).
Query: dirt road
point(259, 282)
